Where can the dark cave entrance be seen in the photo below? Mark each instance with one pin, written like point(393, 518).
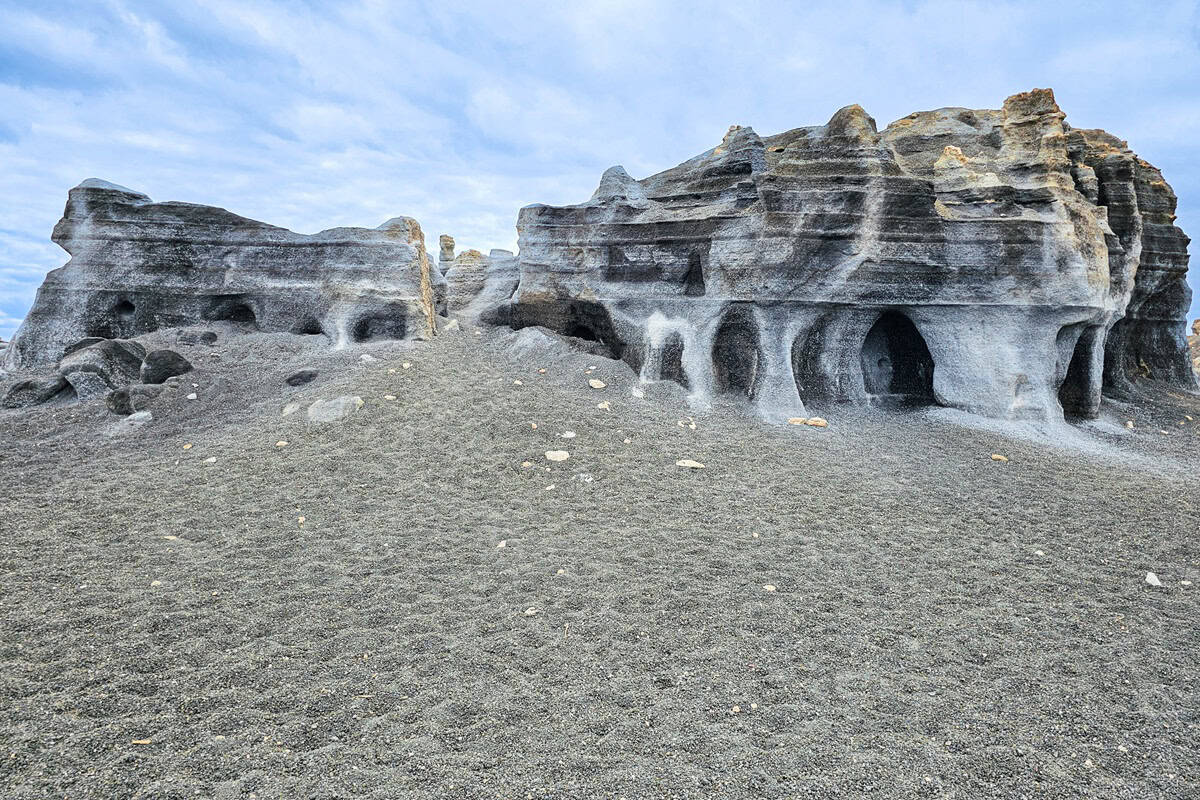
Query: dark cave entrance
point(1079, 393)
point(233, 308)
point(124, 319)
point(671, 367)
point(736, 353)
point(896, 362)
point(585, 321)
point(693, 281)
point(372, 327)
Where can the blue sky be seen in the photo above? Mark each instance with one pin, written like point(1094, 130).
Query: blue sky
point(312, 114)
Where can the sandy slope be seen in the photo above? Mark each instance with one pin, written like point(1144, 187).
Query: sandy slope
point(917, 642)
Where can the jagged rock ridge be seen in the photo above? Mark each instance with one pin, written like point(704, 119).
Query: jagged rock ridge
point(996, 261)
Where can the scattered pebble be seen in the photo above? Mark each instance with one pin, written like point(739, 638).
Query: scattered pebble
point(770, 587)
point(551, 486)
point(156, 583)
point(1039, 552)
point(1152, 579)
point(392, 371)
point(389, 397)
point(300, 520)
point(797, 420)
point(567, 434)
point(1000, 458)
point(816, 422)
point(140, 741)
point(1129, 424)
point(407, 365)
point(542, 371)
point(1185, 583)
point(557, 455)
point(628, 441)
point(533, 426)
point(604, 406)
point(595, 383)
point(560, 572)
point(187, 446)
point(517, 382)
point(191, 396)
point(755, 535)
point(688, 423)
point(526, 464)
point(529, 612)
point(735, 710)
point(210, 460)
point(503, 543)
point(689, 463)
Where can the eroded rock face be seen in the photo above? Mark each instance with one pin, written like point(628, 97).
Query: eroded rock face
point(976, 259)
point(137, 266)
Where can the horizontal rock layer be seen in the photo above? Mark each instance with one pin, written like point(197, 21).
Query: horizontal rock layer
point(996, 261)
point(137, 266)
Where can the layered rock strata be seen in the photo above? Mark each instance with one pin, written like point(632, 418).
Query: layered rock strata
point(137, 266)
point(995, 261)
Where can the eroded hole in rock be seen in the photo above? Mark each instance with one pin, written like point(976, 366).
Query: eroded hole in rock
point(232, 308)
point(672, 361)
point(693, 281)
point(589, 324)
point(896, 362)
point(1079, 392)
point(123, 318)
point(736, 353)
point(378, 326)
point(309, 327)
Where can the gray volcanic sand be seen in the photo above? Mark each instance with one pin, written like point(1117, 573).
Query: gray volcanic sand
point(171, 630)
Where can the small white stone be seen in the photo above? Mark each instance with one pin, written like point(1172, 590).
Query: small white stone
point(191, 396)
point(770, 587)
point(595, 383)
point(689, 463)
point(529, 612)
point(567, 434)
point(407, 365)
point(1152, 579)
point(557, 455)
point(210, 460)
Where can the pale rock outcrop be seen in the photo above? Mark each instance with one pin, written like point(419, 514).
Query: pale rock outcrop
point(465, 279)
point(137, 266)
point(995, 261)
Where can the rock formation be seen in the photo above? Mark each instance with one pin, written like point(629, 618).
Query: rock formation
point(137, 266)
point(996, 261)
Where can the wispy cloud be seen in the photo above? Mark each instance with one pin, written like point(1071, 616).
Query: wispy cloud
point(312, 115)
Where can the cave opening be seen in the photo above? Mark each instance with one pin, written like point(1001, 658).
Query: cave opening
point(1079, 392)
point(671, 367)
point(232, 308)
point(896, 362)
point(736, 353)
point(693, 281)
point(371, 327)
point(587, 322)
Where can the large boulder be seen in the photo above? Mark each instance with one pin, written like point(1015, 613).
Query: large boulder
point(162, 364)
point(36, 391)
point(94, 366)
point(465, 279)
point(958, 257)
point(137, 266)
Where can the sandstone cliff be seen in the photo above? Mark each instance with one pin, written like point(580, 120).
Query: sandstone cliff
point(137, 266)
point(995, 261)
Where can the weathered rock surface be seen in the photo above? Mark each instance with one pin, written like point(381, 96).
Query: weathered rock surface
point(996, 261)
point(137, 266)
point(36, 391)
point(132, 399)
point(94, 366)
point(465, 279)
point(162, 364)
